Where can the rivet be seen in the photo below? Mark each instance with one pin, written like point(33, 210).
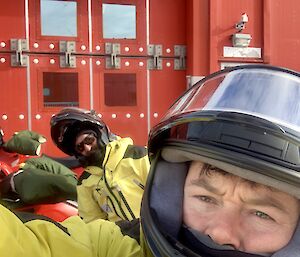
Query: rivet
point(155, 115)
point(36, 61)
point(4, 117)
point(168, 50)
point(168, 64)
point(141, 49)
point(21, 116)
point(38, 116)
point(100, 115)
point(128, 115)
point(114, 115)
point(126, 49)
point(127, 63)
point(98, 48)
point(36, 45)
point(2, 60)
point(2, 44)
point(51, 46)
point(141, 64)
point(52, 61)
point(142, 115)
point(98, 62)
point(83, 62)
point(83, 47)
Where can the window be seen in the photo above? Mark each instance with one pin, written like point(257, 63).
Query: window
point(60, 89)
point(119, 21)
point(58, 18)
point(120, 89)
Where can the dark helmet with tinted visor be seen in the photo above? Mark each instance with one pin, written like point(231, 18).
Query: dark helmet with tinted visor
point(70, 121)
point(244, 120)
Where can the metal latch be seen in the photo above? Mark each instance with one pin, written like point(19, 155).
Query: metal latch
point(68, 60)
point(112, 62)
point(19, 59)
point(156, 62)
point(180, 54)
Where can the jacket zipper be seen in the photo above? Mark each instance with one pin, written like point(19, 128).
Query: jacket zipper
point(125, 202)
point(110, 190)
point(113, 206)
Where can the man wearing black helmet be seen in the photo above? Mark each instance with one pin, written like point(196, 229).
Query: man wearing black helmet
point(112, 184)
point(231, 145)
point(224, 178)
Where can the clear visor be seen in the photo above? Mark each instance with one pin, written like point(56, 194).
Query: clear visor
point(269, 94)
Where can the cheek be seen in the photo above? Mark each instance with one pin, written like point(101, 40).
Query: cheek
point(193, 216)
point(265, 242)
point(260, 236)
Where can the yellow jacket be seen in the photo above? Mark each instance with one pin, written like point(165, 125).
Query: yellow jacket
point(114, 192)
point(70, 238)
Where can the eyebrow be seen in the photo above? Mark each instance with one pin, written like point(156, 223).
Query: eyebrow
point(266, 201)
point(202, 182)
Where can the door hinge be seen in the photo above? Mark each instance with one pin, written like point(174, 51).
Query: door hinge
point(180, 55)
point(67, 60)
point(156, 62)
point(18, 59)
point(112, 62)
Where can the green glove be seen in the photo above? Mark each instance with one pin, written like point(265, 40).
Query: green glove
point(25, 142)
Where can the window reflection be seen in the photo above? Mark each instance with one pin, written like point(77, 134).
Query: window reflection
point(60, 89)
point(119, 21)
point(120, 89)
point(58, 18)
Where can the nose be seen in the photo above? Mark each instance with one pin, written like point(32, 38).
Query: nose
point(86, 149)
point(225, 231)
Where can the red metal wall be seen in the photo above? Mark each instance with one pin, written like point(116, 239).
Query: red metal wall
point(272, 25)
point(155, 89)
point(13, 97)
point(204, 26)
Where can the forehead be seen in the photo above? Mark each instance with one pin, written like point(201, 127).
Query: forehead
point(200, 170)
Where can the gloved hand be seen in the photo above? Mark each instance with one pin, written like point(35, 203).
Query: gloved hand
point(25, 142)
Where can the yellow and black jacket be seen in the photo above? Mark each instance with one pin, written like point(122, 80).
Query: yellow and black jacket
point(115, 191)
point(29, 236)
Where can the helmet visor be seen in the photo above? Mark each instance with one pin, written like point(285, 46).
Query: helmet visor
point(264, 92)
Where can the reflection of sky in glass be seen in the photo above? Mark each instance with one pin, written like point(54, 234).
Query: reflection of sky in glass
point(119, 21)
point(58, 18)
point(269, 94)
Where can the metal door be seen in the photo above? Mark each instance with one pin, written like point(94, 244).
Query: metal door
point(73, 58)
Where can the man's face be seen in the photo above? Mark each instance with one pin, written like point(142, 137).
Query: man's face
point(86, 144)
point(232, 211)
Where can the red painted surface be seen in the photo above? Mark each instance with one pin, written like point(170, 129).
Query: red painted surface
point(168, 28)
point(205, 27)
point(13, 97)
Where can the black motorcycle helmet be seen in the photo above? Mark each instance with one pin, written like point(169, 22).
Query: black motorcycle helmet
point(244, 120)
point(70, 121)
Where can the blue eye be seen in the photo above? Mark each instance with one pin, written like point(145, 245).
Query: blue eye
point(263, 215)
point(205, 198)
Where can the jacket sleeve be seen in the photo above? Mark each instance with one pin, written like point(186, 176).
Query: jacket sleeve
point(88, 207)
point(40, 238)
point(51, 166)
point(137, 157)
point(72, 237)
point(116, 244)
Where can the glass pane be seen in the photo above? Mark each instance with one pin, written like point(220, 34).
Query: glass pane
point(60, 89)
point(119, 21)
point(120, 89)
point(58, 18)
